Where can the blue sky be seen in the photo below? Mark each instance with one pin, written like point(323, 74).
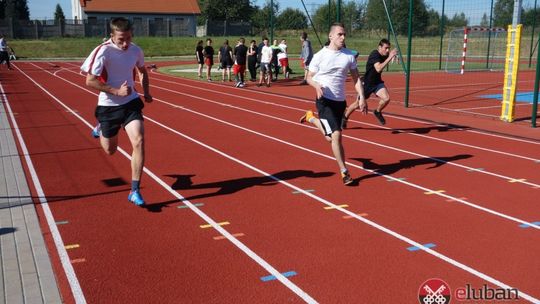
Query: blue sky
point(44, 9)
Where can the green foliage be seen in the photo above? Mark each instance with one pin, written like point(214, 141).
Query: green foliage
point(225, 10)
point(16, 9)
point(502, 12)
point(59, 14)
point(261, 17)
point(376, 17)
point(459, 20)
point(291, 19)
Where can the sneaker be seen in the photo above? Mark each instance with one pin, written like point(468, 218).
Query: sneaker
point(286, 75)
point(136, 198)
point(346, 177)
point(96, 131)
point(344, 123)
point(303, 82)
point(241, 85)
point(237, 84)
point(380, 117)
point(306, 117)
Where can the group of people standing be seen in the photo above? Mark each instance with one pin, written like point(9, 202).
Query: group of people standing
point(272, 60)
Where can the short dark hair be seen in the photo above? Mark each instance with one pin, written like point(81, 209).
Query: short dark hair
point(336, 24)
point(384, 41)
point(304, 35)
point(121, 24)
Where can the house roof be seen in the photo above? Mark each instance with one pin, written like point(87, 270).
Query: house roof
point(141, 6)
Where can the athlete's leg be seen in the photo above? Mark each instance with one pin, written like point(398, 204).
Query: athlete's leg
point(135, 132)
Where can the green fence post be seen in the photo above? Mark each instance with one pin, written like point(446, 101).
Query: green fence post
point(271, 22)
point(441, 32)
point(338, 11)
point(532, 35)
point(409, 47)
point(536, 88)
point(489, 34)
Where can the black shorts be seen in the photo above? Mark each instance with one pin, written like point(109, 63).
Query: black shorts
point(330, 114)
point(369, 89)
point(112, 118)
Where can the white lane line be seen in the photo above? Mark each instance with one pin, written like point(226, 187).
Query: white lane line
point(311, 103)
point(255, 257)
point(337, 207)
point(58, 242)
point(422, 188)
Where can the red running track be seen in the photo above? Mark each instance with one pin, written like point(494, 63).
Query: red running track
point(238, 156)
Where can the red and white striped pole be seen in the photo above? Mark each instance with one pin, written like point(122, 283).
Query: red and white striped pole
point(466, 31)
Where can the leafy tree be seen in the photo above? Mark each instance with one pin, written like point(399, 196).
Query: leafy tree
point(292, 19)
point(59, 14)
point(485, 21)
point(16, 9)
point(528, 17)
point(352, 16)
point(376, 17)
point(459, 20)
point(261, 17)
point(502, 12)
point(225, 10)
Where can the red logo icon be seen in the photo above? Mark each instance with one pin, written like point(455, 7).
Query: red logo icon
point(434, 291)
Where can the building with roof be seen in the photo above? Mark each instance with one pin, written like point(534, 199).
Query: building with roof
point(150, 18)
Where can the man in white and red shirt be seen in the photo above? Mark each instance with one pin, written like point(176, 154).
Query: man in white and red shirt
point(111, 69)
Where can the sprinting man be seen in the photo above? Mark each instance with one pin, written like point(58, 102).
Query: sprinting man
point(373, 83)
point(110, 70)
point(306, 55)
point(327, 74)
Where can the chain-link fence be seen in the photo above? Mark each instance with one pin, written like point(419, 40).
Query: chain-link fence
point(38, 29)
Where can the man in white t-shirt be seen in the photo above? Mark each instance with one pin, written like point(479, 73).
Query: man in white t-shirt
point(283, 58)
point(111, 69)
point(266, 58)
point(328, 72)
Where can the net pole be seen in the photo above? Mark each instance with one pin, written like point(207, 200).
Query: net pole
point(394, 34)
point(536, 88)
point(489, 34)
point(312, 25)
point(464, 56)
point(409, 47)
point(271, 21)
point(532, 35)
point(441, 32)
point(338, 11)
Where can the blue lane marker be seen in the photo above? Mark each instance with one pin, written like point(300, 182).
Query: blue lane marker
point(414, 248)
point(520, 97)
point(527, 225)
point(285, 274)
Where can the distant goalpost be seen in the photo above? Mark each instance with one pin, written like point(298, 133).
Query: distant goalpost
point(476, 49)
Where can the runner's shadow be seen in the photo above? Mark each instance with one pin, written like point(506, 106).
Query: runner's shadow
point(184, 182)
point(389, 169)
point(7, 230)
point(426, 130)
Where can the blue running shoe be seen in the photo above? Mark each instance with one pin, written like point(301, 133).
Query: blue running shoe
point(136, 198)
point(96, 131)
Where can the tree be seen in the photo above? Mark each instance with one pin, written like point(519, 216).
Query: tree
point(291, 19)
point(376, 17)
point(459, 20)
point(16, 9)
point(502, 12)
point(485, 21)
point(261, 17)
point(225, 10)
point(59, 16)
